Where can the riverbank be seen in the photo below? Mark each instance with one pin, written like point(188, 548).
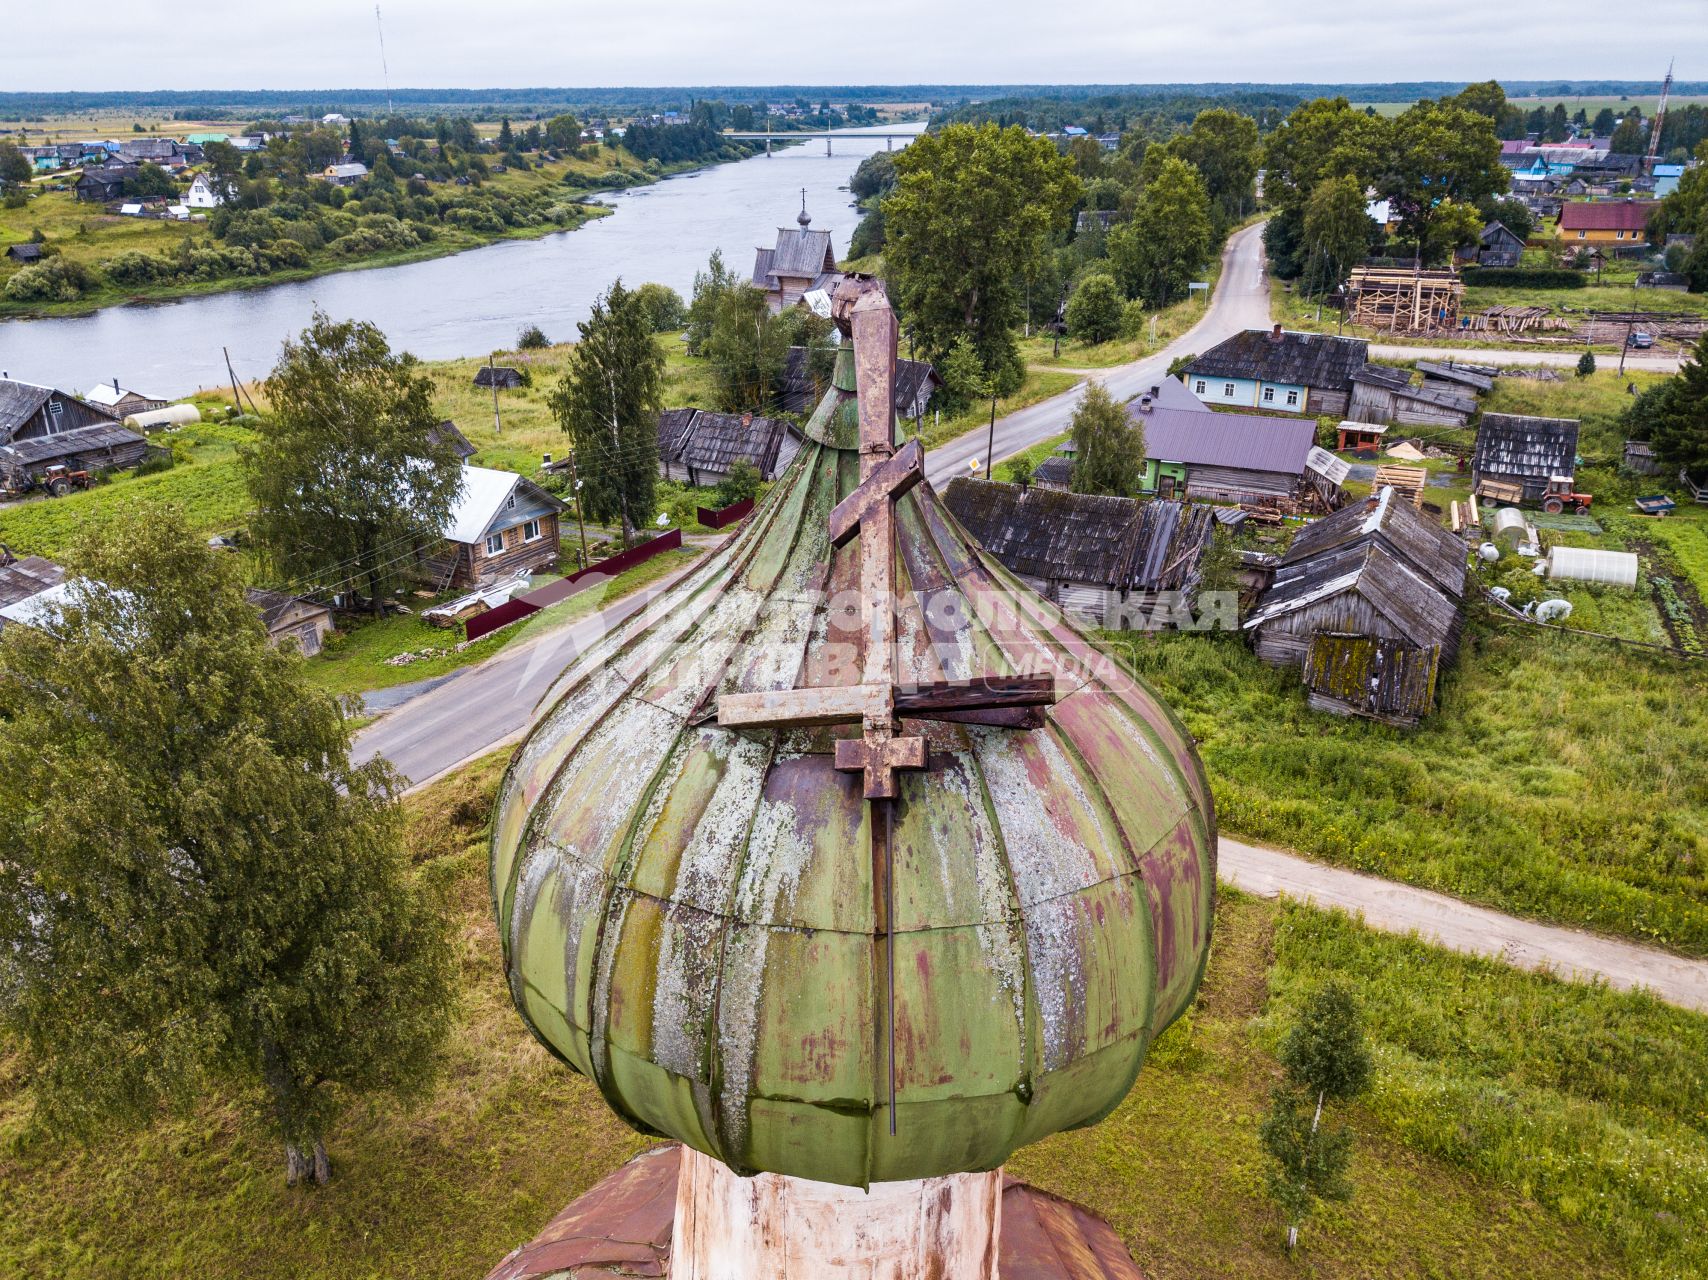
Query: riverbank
point(90, 238)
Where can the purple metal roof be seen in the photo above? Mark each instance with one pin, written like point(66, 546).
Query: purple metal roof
point(1202, 437)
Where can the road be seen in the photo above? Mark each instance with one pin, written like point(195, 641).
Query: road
point(1241, 301)
point(1527, 356)
point(1459, 926)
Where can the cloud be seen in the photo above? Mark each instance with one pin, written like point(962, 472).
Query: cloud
point(327, 44)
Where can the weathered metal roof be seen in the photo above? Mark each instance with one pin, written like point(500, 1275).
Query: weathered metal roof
point(1410, 569)
point(1296, 359)
point(1510, 444)
point(621, 1228)
point(36, 449)
point(1085, 538)
point(689, 911)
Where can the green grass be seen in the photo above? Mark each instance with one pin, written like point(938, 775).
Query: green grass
point(355, 661)
point(1560, 777)
point(208, 488)
point(1686, 537)
point(509, 1136)
point(1596, 401)
point(1593, 1102)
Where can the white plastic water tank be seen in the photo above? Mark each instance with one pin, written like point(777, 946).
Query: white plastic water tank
point(1488, 552)
point(1588, 564)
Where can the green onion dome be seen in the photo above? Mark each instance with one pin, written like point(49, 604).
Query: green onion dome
point(690, 913)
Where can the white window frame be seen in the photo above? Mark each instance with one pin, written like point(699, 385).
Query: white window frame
point(1227, 391)
point(534, 525)
point(492, 538)
point(1292, 399)
point(1618, 235)
point(1269, 395)
point(1580, 235)
point(1200, 390)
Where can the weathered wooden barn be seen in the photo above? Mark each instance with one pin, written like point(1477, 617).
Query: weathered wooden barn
point(291, 619)
point(501, 376)
point(1640, 458)
point(502, 523)
point(1478, 379)
point(1303, 373)
point(1524, 453)
point(1104, 560)
point(1374, 677)
point(41, 427)
point(1375, 568)
point(699, 447)
point(1384, 394)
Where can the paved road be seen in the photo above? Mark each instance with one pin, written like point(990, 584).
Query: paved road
point(1241, 301)
point(482, 707)
point(1459, 926)
point(1526, 356)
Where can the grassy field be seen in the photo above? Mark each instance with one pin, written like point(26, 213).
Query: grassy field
point(1560, 776)
point(206, 485)
point(1038, 385)
point(1462, 1166)
point(1596, 402)
point(355, 661)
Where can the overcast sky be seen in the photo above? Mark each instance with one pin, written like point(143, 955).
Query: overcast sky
point(198, 44)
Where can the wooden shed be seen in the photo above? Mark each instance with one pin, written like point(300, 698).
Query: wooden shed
point(699, 447)
point(1377, 678)
point(1517, 453)
point(291, 619)
point(1375, 568)
point(1384, 394)
point(501, 376)
point(1104, 560)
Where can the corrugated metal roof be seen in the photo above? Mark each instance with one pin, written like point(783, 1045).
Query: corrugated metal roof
point(1510, 444)
point(1606, 215)
point(1203, 437)
point(1296, 359)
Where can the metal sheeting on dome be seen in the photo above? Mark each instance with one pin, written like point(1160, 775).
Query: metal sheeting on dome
point(692, 914)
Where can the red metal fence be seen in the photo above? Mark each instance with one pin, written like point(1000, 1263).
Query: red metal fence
point(729, 515)
point(582, 580)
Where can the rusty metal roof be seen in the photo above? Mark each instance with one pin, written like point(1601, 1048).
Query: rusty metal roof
point(688, 911)
point(620, 1229)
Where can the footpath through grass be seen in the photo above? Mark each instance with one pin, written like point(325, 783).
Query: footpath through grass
point(510, 1135)
point(1560, 777)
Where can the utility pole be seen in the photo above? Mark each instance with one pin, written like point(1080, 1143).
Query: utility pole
point(580, 524)
point(1631, 324)
point(497, 426)
point(990, 441)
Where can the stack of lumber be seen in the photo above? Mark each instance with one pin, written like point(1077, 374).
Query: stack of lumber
point(1407, 482)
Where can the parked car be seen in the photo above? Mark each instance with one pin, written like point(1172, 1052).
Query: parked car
point(1640, 339)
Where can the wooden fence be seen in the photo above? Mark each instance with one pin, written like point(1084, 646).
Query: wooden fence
point(583, 579)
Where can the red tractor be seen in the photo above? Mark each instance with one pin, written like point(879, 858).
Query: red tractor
point(1560, 496)
point(60, 480)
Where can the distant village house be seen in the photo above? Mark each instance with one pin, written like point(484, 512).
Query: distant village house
point(700, 447)
point(1304, 373)
point(801, 262)
point(502, 523)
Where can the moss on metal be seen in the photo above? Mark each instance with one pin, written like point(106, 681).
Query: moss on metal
point(688, 912)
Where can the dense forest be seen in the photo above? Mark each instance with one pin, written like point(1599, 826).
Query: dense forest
point(1153, 115)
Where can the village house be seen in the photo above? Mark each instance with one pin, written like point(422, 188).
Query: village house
point(41, 427)
point(916, 382)
point(1303, 373)
point(1518, 458)
point(700, 447)
point(1193, 452)
point(344, 175)
point(1606, 222)
point(501, 523)
point(121, 403)
point(1104, 560)
point(203, 194)
point(1376, 570)
point(801, 261)
point(24, 253)
point(1386, 395)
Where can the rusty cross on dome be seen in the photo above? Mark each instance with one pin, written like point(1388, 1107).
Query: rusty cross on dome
point(862, 311)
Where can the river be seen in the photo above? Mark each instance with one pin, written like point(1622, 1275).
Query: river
point(466, 304)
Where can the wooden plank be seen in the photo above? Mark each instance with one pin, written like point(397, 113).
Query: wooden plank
point(795, 708)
